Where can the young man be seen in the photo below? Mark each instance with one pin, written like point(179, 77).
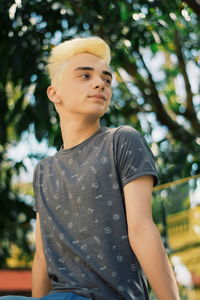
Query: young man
point(94, 229)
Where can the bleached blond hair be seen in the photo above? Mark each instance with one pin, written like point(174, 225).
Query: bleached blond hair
point(63, 52)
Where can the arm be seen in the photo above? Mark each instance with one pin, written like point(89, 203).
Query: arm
point(40, 281)
point(145, 239)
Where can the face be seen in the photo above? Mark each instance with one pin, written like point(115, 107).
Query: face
point(85, 87)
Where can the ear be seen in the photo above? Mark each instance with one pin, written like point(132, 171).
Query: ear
point(53, 95)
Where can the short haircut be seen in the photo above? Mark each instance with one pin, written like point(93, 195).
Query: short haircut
point(63, 52)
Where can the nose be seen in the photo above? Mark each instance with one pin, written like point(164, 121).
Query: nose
point(99, 83)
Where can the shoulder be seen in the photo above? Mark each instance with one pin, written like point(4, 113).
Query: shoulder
point(42, 164)
point(127, 130)
point(127, 133)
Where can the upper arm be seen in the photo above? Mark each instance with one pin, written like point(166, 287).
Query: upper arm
point(38, 238)
point(137, 194)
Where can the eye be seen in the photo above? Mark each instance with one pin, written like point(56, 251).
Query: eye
point(108, 81)
point(85, 75)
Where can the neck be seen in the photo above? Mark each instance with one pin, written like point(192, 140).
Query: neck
point(77, 131)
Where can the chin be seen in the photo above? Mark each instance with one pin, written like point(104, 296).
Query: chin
point(96, 115)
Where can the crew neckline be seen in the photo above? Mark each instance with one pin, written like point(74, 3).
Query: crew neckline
point(64, 151)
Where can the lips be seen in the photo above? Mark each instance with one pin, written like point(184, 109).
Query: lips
point(98, 96)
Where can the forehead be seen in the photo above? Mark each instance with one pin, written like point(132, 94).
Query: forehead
point(86, 60)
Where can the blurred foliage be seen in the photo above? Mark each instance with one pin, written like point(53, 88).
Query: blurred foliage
point(141, 34)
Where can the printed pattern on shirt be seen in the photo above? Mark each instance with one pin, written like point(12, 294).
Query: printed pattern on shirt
point(79, 195)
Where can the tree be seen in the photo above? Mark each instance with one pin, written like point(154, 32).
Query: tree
point(138, 32)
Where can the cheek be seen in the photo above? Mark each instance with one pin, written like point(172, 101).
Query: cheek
point(109, 95)
point(69, 92)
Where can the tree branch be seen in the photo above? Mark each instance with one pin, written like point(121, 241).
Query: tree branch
point(190, 113)
point(163, 117)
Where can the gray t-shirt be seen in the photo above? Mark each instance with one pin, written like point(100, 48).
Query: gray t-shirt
point(79, 196)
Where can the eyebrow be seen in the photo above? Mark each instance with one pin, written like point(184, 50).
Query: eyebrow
point(92, 69)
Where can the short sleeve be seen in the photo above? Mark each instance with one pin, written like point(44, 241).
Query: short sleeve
point(132, 155)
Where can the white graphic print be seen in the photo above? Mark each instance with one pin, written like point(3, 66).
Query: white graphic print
point(97, 240)
point(78, 200)
point(98, 196)
point(58, 244)
point(109, 203)
point(61, 236)
point(79, 179)
point(95, 149)
point(116, 217)
point(83, 229)
point(107, 230)
point(90, 211)
point(84, 247)
point(47, 250)
point(63, 173)
point(123, 145)
point(100, 255)
point(124, 237)
point(62, 260)
point(120, 288)
point(114, 274)
point(133, 267)
point(119, 258)
point(84, 164)
point(93, 170)
point(58, 206)
point(75, 242)
point(103, 268)
point(104, 160)
point(76, 259)
point(75, 175)
point(115, 186)
point(133, 168)
point(95, 185)
point(70, 161)
point(62, 269)
point(128, 152)
point(70, 225)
